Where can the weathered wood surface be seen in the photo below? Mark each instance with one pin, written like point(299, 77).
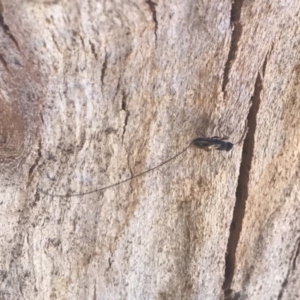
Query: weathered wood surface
point(93, 92)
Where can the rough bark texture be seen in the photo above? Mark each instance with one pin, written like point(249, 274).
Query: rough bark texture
point(94, 92)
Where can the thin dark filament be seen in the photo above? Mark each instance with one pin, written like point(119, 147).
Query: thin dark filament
point(120, 182)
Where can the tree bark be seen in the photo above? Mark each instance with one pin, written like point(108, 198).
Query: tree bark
point(96, 92)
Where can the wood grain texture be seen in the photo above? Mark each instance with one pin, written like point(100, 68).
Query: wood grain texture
point(94, 92)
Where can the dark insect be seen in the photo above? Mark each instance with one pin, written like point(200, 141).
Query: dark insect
point(215, 142)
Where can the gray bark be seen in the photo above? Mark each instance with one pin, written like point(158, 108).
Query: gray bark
point(95, 92)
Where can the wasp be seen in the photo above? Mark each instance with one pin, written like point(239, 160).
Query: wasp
point(214, 142)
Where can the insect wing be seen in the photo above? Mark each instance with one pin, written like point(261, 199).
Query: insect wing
point(202, 143)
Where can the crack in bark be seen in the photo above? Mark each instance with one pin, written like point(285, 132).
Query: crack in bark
point(4, 63)
point(154, 17)
point(124, 107)
point(6, 28)
point(56, 44)
point(235, 37)
point(93, 50)
point(293, 259)
point(264, 66)
point(242, 189)
point(129, 165)
point(297, 252)
point(103, 70)
point(35, 164)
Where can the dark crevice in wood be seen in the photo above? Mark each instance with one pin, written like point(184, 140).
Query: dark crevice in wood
point(124, 107)
point(292, 267)
point(104, 66)
point(35, 164)
point(266, 60)
point(236, 35)
point(93, 49)
point(6, 28)
point(264, 66)
point(154, 18)
point(56, 44)
point(242, 189)
point(297, 252)
point(4, 63)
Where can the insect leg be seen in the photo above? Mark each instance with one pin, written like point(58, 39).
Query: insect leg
point(200, 133)
point(220, 138)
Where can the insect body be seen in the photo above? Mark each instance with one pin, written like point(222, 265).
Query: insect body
point(215, 142)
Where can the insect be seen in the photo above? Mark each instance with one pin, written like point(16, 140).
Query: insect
point(215, 142)
point(205, 143)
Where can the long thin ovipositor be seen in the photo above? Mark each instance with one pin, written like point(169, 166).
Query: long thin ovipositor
point(117, 183)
